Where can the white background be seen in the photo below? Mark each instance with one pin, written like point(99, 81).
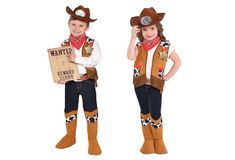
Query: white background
point(198, 101)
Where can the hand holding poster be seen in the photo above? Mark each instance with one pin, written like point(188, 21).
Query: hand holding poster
point(62, 69)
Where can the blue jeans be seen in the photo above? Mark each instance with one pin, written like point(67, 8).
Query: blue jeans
point(150, 100)
point(84, 88)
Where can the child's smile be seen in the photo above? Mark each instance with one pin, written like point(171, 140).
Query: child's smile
point(77, 27)
point(149, 32)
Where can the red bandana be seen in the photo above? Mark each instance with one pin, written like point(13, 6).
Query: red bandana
point(77, 41)
point(150, 44)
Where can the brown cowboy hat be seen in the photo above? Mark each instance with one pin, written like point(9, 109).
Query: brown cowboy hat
point(147, 17)
point(80, 13)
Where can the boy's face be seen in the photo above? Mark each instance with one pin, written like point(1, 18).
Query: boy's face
point(149, 32)
point(78, 27)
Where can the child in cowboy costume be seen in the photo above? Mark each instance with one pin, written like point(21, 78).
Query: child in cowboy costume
point(87, 56)
point(151, 55)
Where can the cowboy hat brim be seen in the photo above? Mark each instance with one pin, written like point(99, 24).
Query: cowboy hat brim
point(71, 13)
point(135, 21)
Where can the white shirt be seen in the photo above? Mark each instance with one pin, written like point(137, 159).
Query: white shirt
point(150, 59)
point(90, 61)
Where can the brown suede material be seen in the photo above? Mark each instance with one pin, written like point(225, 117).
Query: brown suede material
point(70, 113)
point(84, 53)
point(140, 80)
point(70, 138)
point(91, 113)
point(146, 129)
point(157, 64)
point(92, 127)
point(148, 145)
point(157, 133)
point(158, 140)
point(144, 116)
point(91, 71)
point(86, 11)
point(71, 126)
point(150, 12)
point(140, 61)
point(94, 147)
point(157, 83)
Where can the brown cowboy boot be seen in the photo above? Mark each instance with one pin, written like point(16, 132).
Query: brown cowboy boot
point(92, 123)
point(70, 138)
point(148, 146)
point(156, 126)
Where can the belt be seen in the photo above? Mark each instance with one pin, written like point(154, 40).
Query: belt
point(82, 78)
point(148, 81)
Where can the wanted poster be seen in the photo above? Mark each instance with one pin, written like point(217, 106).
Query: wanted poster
point(61, 67)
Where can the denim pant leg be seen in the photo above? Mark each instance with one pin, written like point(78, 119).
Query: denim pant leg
point(88, 93)
point(155, 102)
point(142, 96)
point(71, 96)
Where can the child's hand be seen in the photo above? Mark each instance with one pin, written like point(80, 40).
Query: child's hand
point(60, 82)
point(165, 77)
point(134, 32)
point(71, 57)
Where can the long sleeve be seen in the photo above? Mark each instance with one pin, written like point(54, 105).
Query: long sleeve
point(92, 60)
